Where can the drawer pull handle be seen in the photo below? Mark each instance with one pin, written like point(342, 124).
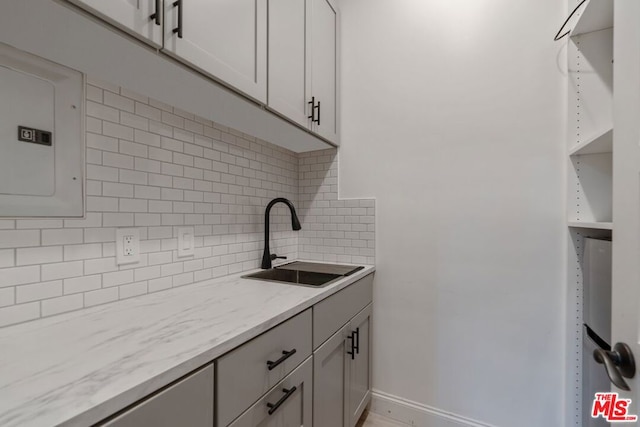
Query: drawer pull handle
point(353, 345)
point(273, 407)
point(357, 345)
point(285, 356)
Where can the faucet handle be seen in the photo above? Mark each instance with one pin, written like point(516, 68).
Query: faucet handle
point(274, 257)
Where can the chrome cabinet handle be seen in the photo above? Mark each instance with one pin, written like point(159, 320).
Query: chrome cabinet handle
point(285, 356)
point(618, 363)
point(273, 407)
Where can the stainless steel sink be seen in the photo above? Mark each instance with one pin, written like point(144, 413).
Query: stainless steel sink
point(306, 274)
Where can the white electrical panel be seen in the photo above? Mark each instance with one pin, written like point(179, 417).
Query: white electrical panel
point(41, 143)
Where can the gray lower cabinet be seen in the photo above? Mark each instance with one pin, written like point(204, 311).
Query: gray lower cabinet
point(288, 404)
point(342, 363)
point(189, 402)
point(330, 380)
point(359, 384)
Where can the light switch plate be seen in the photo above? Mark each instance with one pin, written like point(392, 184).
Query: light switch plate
point(186, 242)
point(127, 246)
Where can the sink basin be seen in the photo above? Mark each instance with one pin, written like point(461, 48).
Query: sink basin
point(308, 278)
point(305, 273)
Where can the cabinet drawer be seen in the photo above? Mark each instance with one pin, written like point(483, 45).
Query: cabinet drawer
point(243, 373)
point(294, 409)
point(189, 402)
point(330, 314)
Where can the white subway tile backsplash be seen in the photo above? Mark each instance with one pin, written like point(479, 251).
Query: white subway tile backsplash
point(117, 131)
point(118, 102)
point(19, 313)
point(156, 168)
point(62, 270)
point(99, 235)
point(147, 273)
point(102, 142)
point(38, 291)
point(62, 304)
point(82, 284)
point(133, 177)
point(41, 255)
point(100, 296)
point(61, 237)
point(100, 265)
point(133, 148)
point(102, 173)
point(19, 275)
point(93, 125)
point(117, 278)
point(7, 258)
point(172, 269)
point(133, 289)
point(102, 112)
point(147, 165)
point(134, 121)
point(82, 252)
point(117, 220)
point(38, 223)
point(7, 297)
point(133, 205)
point(144, 110)
point(183, 279)
point(19, 238)
point(117, 160)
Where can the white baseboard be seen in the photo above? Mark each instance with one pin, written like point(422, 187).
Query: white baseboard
point(416, 414)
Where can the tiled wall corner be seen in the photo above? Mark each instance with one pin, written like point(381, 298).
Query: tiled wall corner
point(333, 230)
point(152, 167)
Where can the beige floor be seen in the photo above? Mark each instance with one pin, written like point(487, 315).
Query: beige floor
point(369, 419)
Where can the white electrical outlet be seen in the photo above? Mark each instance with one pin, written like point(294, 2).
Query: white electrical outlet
point(127, 246)
point(186, 242)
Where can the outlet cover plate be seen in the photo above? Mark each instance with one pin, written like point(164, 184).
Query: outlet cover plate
point(186, 242)
point(127, 246)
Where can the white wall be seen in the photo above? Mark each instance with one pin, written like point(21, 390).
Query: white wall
point(453, 119)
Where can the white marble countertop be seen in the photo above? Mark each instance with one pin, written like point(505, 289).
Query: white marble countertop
point(78, 368)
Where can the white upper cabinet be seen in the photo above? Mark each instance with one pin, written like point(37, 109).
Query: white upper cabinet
point(226, 39)
point(289, 83)
point(323, 68)
point(137, 17)
point(302, 63)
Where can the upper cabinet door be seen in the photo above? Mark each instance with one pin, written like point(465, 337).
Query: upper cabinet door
point(324, 68)
point(226, 39)
point(134, 16)
point(289, 82)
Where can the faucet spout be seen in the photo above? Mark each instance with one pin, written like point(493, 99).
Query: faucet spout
point(295, 224)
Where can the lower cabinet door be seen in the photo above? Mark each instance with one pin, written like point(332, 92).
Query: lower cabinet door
point(330, 378)
point(186, 403)
point(288, 404)
point(360, 366)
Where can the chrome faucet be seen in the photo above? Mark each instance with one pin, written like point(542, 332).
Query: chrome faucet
point(295, 223)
